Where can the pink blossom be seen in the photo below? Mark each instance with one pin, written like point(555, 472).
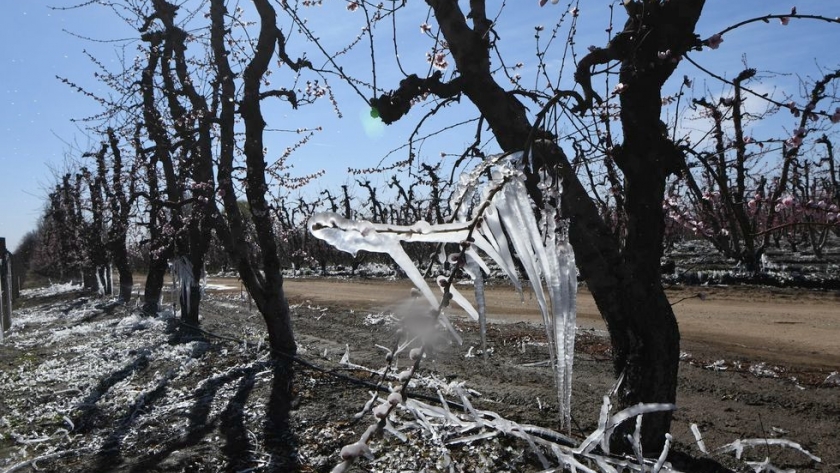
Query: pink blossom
point(543, 2)
point(663, 55)
point(574, 11)
point(714, 41)
point(440, 61)
point(795, 141)
point(787, 202)
point(784, 20)
point(352, 6)
point(835, 118)
point(425, 28)
point(619, 88)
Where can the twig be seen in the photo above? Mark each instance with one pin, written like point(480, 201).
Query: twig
point(32, 461)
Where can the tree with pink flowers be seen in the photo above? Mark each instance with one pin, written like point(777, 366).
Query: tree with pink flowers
point(743, 194)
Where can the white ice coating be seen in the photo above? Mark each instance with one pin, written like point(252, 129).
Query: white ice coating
point(182, 274)
point(507, 220)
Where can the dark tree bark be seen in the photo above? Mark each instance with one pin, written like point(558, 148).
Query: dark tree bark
point(120, 205)
point(266, 286)
point(623, 276)
point(94, 231)
point(193, 126)
point(160, 247)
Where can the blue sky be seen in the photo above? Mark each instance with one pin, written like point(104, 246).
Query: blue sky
point(36, 109)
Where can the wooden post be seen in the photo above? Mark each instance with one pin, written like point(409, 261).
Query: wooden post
point(2, 293)
point(5, 289)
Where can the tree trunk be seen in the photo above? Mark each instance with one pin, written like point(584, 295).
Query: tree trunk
point(126, 277)
point(154, 285)
point(266, 286)
point(90, 281)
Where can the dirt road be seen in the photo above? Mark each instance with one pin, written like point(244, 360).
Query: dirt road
point(778, 326)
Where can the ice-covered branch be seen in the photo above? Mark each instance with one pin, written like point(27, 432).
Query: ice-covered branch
point(492, 216)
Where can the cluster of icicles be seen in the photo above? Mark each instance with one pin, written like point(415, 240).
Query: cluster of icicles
point(495, 215)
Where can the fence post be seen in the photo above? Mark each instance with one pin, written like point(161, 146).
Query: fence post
point(5, 289)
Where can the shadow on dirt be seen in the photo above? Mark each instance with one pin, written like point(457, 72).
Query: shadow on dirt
point(237, 444)
point(279, 437)
point(87, 414)
point(109, 454)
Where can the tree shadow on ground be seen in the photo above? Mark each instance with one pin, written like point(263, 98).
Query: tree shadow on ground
point(237, 446)
point(280, 441)
point(110, 452)
point(690, 464)
point(86, 413)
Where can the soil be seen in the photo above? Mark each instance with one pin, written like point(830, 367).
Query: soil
point(91, 386)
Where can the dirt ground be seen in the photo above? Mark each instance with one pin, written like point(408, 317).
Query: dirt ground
point(792, 327)
point(757, 363)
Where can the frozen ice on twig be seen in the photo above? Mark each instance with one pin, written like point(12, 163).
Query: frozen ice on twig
point(699, 438)
point(355, 450)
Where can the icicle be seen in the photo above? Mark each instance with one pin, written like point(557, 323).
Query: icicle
point(506, 220)
point(565, 322)
point(474, 268)
point(518, 231)
point(462, 301)
point(182, 272)
point(496, 236)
